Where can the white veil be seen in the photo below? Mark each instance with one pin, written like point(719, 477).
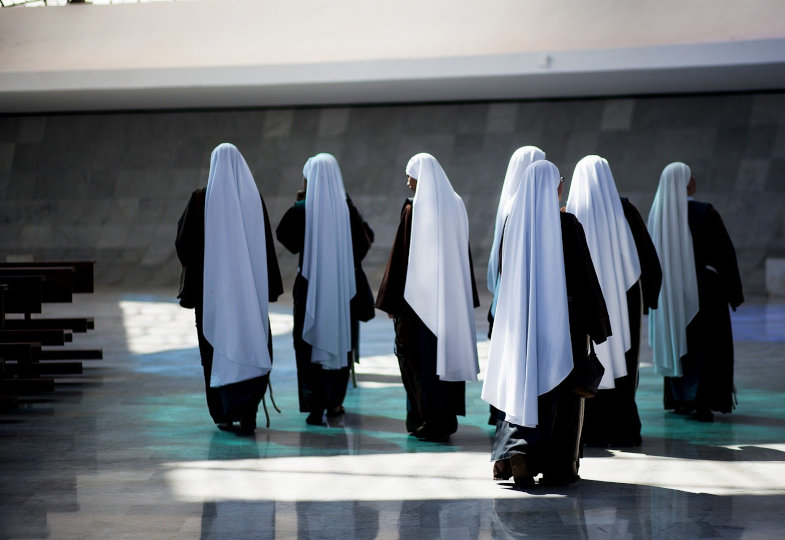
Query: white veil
point(678, 301)
point(235, 314)
point(530, 351)
point(438, 280)
point(328, 263)
point(595, 202)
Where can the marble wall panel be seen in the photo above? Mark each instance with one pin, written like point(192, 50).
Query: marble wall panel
point(6, 156)
point(111, 186)
point(617, 114)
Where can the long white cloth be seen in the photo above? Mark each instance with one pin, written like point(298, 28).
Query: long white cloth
point(678, 301)
point(328, 263)
point(438, 280)
point(595, 202)
point(235, 314)
point(520, 159)
point(530, 351)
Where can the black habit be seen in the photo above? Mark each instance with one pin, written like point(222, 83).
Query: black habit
point(611, 417)
point(431, 404)
point(707, 381)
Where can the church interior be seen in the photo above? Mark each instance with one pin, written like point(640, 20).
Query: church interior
point(108, 114)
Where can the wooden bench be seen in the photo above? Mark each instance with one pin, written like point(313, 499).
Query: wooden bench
point(25, 366)
point(30, 285)
point(57, 282)
point(84, 271)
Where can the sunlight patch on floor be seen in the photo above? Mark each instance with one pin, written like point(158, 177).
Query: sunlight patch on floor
point(450, 476)
point(690, 475)
point(153, 327)
point(380, 477)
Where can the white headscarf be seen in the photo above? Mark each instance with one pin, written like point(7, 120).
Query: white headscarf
point(530, 351)
point(235, 315)
point(595, 202)
point(521, 158)
point(678, 301)
point(328, 263)
point(438, 281)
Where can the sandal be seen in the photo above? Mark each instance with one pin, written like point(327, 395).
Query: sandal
point(337, 411)
point(502, 470)
point(520, 472)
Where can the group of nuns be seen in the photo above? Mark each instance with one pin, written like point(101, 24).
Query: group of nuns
point(561, 279)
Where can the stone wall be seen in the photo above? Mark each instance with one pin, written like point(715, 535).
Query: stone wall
point(111, 186)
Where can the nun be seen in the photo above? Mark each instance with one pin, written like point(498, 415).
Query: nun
point(428, 289)
point(331, 238)
point(549, 304)
point(230, 274)
point(690, 331)
point(520, 159)
point(624, 258)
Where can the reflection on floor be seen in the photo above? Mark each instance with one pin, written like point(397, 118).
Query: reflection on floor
point(128, 450)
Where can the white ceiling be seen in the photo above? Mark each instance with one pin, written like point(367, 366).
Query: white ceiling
point(232, 53)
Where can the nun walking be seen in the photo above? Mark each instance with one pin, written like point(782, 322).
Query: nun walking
point(690, 331)
point(331, 238)
point(429, 291)
point(618, 254)
point(549, 304)
point(520, 159)
point(230, 273)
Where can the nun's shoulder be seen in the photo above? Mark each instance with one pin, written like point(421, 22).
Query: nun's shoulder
point(568, 219)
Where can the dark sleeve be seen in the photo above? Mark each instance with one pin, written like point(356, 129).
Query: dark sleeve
point(588, 311)
point(291, 230)
point(362, 234)
point(189, 242)
point(722, 257)
point(475, 296)
point(651, 271)
point(274, 282)
point(390, 296)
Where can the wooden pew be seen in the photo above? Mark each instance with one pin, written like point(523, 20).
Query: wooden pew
point(84, 271)
point(25, 367)
point(35, 283)
point(23, 294)
point(20, 373)
point(57, 282)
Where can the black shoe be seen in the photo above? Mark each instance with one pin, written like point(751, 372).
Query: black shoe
point(627, 442)
point(337, 411)
point(428, 433)
point(558, 479)
point(315, 418)
point(703, 415)
point(225, 426)
point(247, 426)
point(595, 443)
point(413, 421)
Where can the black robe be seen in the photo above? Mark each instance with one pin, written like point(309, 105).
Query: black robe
point(707, 381)
point(611, 417)
point(319, 388)
point(429, 399)
point(553, 447)
point(238, 400)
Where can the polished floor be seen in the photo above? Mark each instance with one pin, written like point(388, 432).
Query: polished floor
point(127, 450)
